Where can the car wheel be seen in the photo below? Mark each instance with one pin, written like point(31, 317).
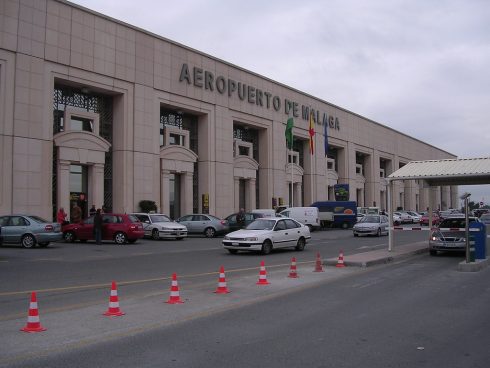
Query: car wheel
point(44, 245)
point(267, 247)
point(120, 238)
point(300, 246)
point(179, 238)
point(28, 241)
point(155, 235)
point(378, 233)
point(233, 251)
point(356, 234)
point(433, 252)
point(209, 232)
point(69, 236)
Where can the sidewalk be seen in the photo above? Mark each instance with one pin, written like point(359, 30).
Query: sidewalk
point(381, 256)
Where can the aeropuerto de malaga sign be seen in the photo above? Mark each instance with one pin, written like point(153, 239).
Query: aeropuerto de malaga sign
point(201, 78)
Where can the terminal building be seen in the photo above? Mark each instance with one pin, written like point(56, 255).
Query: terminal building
point(96, 111)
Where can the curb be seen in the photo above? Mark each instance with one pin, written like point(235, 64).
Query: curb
point(476, 266)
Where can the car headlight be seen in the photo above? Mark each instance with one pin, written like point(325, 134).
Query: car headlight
point(251, 239)
point(166, 228)
point(226, 237)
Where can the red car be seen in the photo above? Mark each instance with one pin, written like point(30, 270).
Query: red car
point(119, 228)
point(424, 220)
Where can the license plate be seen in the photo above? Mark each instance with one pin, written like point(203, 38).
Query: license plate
point(235, 244)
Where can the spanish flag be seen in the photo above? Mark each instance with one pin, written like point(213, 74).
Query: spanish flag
point(312, 133)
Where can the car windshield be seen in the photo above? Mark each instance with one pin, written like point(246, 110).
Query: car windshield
point(159, 218)
point(261, 225)
point(133, 218)
point(38, 219)
point(370, 219)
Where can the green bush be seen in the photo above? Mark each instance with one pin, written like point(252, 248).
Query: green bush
point(148, 206)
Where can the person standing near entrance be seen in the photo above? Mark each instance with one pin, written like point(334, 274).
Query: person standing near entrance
point(98, 227)
point(92, 210)
point(240, 218)
point(61, 216)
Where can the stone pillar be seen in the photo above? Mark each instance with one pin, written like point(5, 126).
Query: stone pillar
point(236, 191)
point(251, 194)
point(97, 185)
point(165, 191)
point(63, 192)
point(297, 195)
point(186, 193)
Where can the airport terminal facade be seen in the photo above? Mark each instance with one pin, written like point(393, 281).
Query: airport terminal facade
point(95, 111)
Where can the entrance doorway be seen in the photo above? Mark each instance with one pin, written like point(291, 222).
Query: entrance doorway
point(174, 200)
point(79, 188)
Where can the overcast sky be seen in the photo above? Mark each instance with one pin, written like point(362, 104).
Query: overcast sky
point(418, 66)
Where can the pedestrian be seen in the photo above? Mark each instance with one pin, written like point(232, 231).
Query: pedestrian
point(92, 210)
point(240, 218)
point(76, 214)
point(61, 216)
point(98, 226)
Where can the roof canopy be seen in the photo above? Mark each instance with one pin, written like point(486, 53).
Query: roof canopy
point(465, 171)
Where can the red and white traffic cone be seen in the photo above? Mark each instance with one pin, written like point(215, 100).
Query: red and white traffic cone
point(174, 292)
point(222, 289)
point(340, 262)
point(292, 272)
point(318, 264)
point(262, 275)
point(33, 323)
point(113, 310)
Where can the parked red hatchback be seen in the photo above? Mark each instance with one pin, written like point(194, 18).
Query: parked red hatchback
point(119, 228)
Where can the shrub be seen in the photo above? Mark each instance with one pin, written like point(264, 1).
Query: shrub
point(148, 206)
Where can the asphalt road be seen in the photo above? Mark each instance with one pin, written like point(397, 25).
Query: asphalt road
point(417, 313)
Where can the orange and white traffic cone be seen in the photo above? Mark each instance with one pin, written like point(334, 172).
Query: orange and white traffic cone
point(33, 323)
point(174, 292)
point(262, 275)
point(318, 264)
point(340, 262)
point(113, 310)
point(292, 272)
point(222, 289)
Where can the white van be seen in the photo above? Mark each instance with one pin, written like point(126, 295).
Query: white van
point(306, 215)
point(266, 212)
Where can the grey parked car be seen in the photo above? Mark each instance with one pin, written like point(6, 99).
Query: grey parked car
point(201, 223)
point(158, 225)
point(371, 225)
point(29, 230)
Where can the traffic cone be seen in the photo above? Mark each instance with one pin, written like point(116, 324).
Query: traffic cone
point(292, 271)
point(262, 275)
point(318, 264)
point(340, 262)
point(33, 324)
point(113, 310)
point(222, 289)
point(174, 292)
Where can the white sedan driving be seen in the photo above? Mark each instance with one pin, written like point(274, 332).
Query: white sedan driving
point(266, 234)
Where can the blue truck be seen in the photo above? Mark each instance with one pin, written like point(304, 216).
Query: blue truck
point(337, 213)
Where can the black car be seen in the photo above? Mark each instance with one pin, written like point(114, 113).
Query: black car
point(249, 217)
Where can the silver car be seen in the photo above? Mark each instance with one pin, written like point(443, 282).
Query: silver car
point(202, 223)
point(158, 225)
point(371, 225)
point(29, 230)
point(450, 236)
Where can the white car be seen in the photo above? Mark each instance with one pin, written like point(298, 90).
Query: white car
point(158, 225)
point(404, 217)
point(416, 217)
point(266, 234)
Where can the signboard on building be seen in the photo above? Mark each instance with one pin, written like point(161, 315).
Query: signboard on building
point(341, 192)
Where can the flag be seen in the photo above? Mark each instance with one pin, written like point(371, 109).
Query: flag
point(325, 133)
point(312, 133)
point(289, 133)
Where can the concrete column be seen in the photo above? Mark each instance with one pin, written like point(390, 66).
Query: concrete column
point(297, 194)
point(165, 191)
point(63, 192)
point(186, 193)
point(97, 185)
point(251, 197)
point(236, 193)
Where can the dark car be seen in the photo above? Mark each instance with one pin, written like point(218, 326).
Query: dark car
point(249, 218)
point(29, 230)
point(450, 236)
point(121, 228)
